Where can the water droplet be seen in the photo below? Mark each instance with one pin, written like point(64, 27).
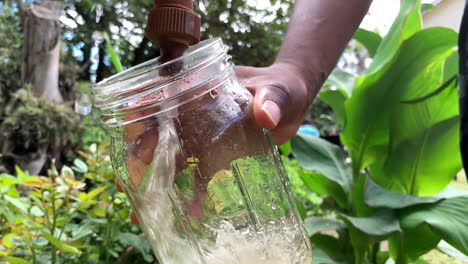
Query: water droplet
point(83, 104)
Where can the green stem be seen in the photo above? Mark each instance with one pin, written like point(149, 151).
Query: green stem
point(358, 258)
point(33, 253)
point(106, 241)
point(374, 249)
point(401, 257)
point(108, 232)
point(357, 164)
point(52, 229)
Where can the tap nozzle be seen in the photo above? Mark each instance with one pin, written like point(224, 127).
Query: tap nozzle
point(174, 24)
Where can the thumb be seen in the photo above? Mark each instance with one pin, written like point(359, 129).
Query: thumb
point(270, 104)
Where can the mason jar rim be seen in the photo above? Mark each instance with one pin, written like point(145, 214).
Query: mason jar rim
point(153, 66)
point(132, 91)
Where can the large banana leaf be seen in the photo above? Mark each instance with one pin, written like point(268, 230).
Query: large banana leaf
point(406, 24)
point(336, 100)
point(414, 242)
point(341, 85)
point(423, 153)
point(327, 160)
point(382, 223)
point(375, 97)
point(447, 218)
point(368, 39)
point(377, 197)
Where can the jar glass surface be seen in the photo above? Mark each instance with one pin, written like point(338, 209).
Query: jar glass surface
point(206, 183)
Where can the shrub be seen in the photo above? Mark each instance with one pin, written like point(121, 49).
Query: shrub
point(75, 216)
point(34, 129)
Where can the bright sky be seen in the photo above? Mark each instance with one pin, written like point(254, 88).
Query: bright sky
point(382, 13)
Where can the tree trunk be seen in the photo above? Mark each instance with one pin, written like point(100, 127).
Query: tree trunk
point(41, 50)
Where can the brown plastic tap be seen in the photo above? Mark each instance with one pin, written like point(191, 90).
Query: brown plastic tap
point(174, 24)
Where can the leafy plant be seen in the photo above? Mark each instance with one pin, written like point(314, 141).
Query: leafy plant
point(113, 55)
point(400, 123)
point(62, 219)
point(35, 130)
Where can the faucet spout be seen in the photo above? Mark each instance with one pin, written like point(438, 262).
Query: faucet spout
point(174, 24)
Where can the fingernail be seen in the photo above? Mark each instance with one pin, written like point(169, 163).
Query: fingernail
point(273, 111)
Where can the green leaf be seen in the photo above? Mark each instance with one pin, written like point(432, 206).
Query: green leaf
point(82, 230)
point(67, 171)
point(341, 80)
point(369, 39)
point(300, 208)
point(15, 260)
point(360, 207)
point(447, 218)
point(138, 242)
point(80, 166)
point(382, 223)
point(320, 257)
point(7, 240)
point(99, 210)
point(18, 241)
point(60, 244)
point(329, 244)
point(427, 7)
point(7, 179)
point(286, 148)
point(113, 55)
point(451, 66)
point(22, 175)
point(413, 21)
point(424, 152)
point(376, 97)
point(360, 243)
point(449, 83)
point(96, 192)
point(36, 211)
point(381, 257)
point(406, 23)
point(320, 184)
point(378, 196)
point(17, 203)
point(336, 100)
point(341, 85)
point(317, 155)
point(314, 225)
point(414, 242)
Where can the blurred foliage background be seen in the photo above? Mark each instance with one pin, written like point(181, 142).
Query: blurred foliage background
point(253, 33)
point(73, 213)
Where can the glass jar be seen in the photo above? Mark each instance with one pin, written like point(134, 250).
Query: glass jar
point(206, 183)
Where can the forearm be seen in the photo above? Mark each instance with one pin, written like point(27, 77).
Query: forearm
point(318, 33)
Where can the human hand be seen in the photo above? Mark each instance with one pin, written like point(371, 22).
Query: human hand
point(281, 98)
